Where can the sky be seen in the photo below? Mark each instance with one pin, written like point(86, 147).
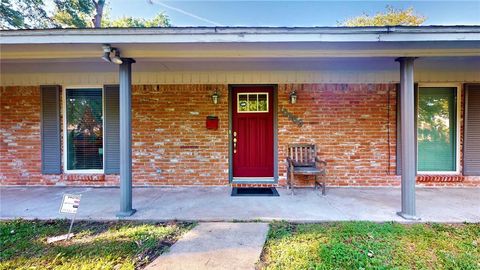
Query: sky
point(290, 13)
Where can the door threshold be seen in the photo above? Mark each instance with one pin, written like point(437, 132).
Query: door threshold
point(253, 180)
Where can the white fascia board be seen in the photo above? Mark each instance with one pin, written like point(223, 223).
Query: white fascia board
point(190, 38)
point(226, 35)
point(402, 37)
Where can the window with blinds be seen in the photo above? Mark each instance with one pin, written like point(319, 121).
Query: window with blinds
point(84, 129)
point(436, 129)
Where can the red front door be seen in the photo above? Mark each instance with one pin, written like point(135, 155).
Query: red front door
point(252, 131)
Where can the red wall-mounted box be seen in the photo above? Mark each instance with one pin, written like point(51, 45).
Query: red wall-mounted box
point(212, 122)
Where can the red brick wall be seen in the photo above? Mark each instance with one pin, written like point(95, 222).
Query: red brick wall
point(352, 125)
point(171, 145)
point(20, 136)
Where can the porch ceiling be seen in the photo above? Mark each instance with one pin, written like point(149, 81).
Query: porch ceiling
point(241, 64)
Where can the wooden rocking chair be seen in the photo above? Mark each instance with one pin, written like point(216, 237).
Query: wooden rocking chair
point(302, 160)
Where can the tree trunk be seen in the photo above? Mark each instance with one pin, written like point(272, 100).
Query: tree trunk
point(97, 20)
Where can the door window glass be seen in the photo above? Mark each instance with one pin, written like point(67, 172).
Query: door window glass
point(252, 102)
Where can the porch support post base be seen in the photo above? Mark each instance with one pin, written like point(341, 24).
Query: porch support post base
point(126, 213)
point(408, 217)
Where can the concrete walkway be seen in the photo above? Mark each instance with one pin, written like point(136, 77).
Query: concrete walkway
point(216, 204)
point(215, 246)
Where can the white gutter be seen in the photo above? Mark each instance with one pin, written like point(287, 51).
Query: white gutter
point(241, 34)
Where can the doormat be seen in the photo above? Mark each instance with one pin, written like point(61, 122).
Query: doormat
point(254, 191)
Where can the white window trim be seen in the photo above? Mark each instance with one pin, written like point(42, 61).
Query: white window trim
point(459, 95)
point(64, 133)
point(253, 93)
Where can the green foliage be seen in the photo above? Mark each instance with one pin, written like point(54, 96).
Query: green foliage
point(9, 16)
point(97, 245)
point(24, 14)
point(367, 245)
point(74, 13)
point(160, 20)
point(435, 113)
point(31, 14)
point(390, 17)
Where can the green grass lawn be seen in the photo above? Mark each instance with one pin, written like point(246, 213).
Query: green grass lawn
point(366, 245)
point(96, 245)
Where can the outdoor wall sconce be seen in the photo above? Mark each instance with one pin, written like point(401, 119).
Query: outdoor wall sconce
point(293, 97)
point(215, 97)
point(107, 50)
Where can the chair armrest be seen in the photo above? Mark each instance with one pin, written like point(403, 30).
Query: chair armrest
point(289, 161)
point(290, 167)
point(323, 162)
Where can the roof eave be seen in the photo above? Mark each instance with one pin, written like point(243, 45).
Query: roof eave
point(241, 34)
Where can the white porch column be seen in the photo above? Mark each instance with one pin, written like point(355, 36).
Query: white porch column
point(125, 80)
point(408, 129)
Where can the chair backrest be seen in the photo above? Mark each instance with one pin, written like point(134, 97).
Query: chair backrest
point(302, 155)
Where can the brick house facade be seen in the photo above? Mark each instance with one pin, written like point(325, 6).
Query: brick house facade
point(353, 126)
point(385, 106)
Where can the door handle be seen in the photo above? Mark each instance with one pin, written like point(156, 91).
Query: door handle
point(234, 142)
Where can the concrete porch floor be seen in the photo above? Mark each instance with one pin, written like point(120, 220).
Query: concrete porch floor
point(216, 204)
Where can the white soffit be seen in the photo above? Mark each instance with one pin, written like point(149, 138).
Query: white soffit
point(242, 64)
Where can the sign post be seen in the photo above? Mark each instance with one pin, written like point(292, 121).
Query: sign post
point(70, 204)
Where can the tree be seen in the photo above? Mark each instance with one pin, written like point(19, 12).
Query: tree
point(390, 17)
point(32, 14)
point(79, 13)
point(160, 20)
point(95, 13)
point(75, 13)
point(10, 17)
point(24, 14)
point(97, 19)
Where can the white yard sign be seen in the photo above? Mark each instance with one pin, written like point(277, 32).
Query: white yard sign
point(70, 204)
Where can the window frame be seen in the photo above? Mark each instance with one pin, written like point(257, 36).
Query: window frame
point(458, 98)
point(253, 93)
point(64, 133)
